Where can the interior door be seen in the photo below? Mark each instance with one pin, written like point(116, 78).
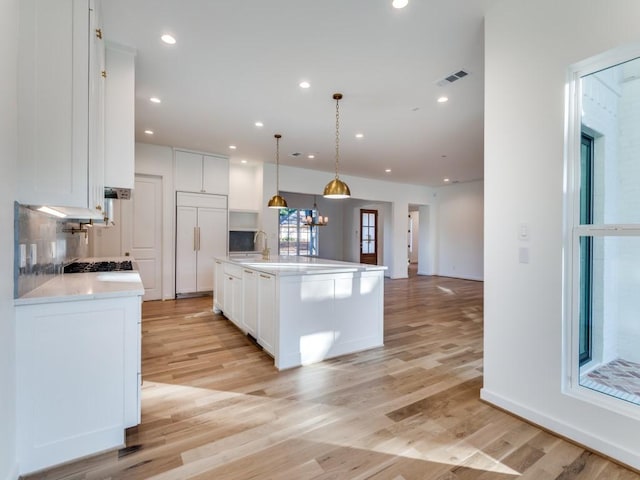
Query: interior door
point(369, 236)
point(142, 232)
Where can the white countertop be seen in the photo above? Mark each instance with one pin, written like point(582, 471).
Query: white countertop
point(298, 265)
point(86, 286)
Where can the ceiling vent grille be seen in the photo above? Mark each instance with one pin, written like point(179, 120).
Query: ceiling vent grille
point(452, 77)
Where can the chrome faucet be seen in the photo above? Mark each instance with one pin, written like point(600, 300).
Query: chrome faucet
point(265, 251)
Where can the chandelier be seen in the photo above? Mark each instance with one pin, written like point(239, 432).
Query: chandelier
point(315, 220)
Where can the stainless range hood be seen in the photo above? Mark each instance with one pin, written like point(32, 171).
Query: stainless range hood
point(117, 193)
point(111, 194)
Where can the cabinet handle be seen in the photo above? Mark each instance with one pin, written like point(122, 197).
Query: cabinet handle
point(99, 33)
point(195, 236)
point(198, 238)
point(219, 263)
point(248, 271)
point(266, 276)
point(103, 73)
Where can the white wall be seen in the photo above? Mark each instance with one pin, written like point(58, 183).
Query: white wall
point(8, 155)
point(459, 230)
point(529, 46)
point(415, 236)
point(245, 187)
point(158, 160)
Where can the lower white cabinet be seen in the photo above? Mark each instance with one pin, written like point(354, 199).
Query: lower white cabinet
point(247, 297)
point(250, 309)
point(233, 294)
point(267, 312)
point(78, 378)
point(218, 289)
point(201, 234)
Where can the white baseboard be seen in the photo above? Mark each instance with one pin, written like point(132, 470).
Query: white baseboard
point(616, 452)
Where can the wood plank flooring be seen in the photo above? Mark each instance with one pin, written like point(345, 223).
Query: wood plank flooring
point(214, 406)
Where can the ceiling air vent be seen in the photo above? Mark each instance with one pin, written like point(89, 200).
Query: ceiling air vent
point(453, 77)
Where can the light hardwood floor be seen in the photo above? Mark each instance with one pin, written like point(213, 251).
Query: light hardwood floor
point(214, 406)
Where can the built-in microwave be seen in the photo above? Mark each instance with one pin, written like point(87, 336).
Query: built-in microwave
point(241, 241)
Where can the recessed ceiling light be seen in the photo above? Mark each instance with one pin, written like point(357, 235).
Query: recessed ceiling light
point(304, 84)
point(168, 39)
point(243, 161)
point(359, 135)
point(155, 100)
point(232, 147)
point(149, 132)
point(259, 124)
point(446, 180)
point(311, 156)
point(443, 99)
point(388, 170)
point(400, 3)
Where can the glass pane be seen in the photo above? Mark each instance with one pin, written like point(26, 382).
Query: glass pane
point(614, 303)
point(611, 115)
point(372, 219)
point(365, 220)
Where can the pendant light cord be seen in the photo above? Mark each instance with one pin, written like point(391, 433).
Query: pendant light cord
point(337, 132)
point(277, 164)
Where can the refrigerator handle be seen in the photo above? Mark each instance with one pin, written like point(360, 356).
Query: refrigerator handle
point(195, 238)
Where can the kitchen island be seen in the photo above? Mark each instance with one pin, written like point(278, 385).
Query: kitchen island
point(302, 310)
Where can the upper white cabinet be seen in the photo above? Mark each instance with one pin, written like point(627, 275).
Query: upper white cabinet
point(119, 145)
point(56, 90)
point(196, 172)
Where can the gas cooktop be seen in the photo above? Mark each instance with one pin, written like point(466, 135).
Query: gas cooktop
point(106, 266)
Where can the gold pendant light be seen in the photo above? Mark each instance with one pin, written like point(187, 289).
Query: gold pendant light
point(336, 188)
point(277, 201)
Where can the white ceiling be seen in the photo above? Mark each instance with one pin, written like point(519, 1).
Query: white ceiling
point(240, 61)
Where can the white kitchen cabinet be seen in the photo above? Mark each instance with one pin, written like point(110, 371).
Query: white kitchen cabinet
point(204, 173)
point(233, 294)
point(78, 378)
point(267, 312)
point(201, 235)
point(97, 77)
point(59, 103)
point(249, 301)
point(119, 144)
point(218, 287)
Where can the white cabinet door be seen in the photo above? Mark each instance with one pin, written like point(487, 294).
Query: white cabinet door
point(196, 172)
point(215, 175)
point(267, 312)
point(201, 235)
point(236, 300)
point(53, 102)
point(77, 378)
point(186, 253)
point(119, 148)
point(212, 242)
point(96, 108)
point(250, 301)
point(188, 171)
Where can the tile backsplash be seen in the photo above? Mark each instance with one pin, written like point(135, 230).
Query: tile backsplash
point(42, 247)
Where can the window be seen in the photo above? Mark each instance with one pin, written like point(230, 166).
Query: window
point(295, 237)
point(603, 243)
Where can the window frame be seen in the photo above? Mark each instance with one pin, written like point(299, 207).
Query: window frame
point(301, 213)
point(573, 231)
